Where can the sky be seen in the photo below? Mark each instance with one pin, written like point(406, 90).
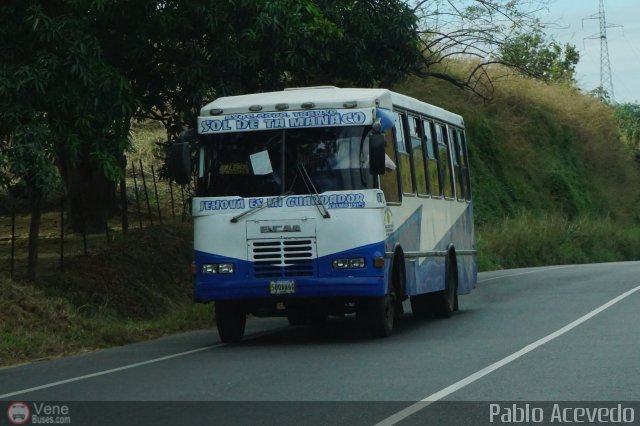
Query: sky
point(624, 42)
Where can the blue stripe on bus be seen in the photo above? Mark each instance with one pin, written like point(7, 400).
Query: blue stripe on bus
point(326, 281)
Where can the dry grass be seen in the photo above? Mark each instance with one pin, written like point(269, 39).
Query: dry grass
point(550, 239)
point(135, 288)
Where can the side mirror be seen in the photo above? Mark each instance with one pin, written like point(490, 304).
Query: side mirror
point(179, 162)
point(376, 154)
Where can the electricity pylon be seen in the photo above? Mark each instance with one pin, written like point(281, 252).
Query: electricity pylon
point(606, 82)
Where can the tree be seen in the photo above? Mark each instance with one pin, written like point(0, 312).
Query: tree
point(31, 160)
point(476, 31)
point(628, 118)
point(87, 68)
point(602, 94)
point(60, 104)
point(181, 54)
point(535, 56)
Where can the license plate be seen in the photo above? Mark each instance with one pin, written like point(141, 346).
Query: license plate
point(282, 287)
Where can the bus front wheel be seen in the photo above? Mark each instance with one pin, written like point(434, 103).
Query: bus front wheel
point(231, 319)
point(377, 314)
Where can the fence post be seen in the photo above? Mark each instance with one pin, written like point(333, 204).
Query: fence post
point(146, 193)
point(155, 191)
point(106, 228)
point(13, 237)
point(183, 209)
point(84, 231)
point(124, 203)
point(62, 233)
point(135, 184)
point(173, 210)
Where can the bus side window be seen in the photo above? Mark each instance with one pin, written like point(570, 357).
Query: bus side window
point(444, 161)
point(457, 164)
point(432, 159)
point(464, 164)
point(389, 181)
point(404, 165)
point(417, 154)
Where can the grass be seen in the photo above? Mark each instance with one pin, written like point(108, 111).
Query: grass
point(136, 288)
point(37, 326)
point(552, 239)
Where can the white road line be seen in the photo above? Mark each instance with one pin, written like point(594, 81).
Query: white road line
point(113, 370)
point(527, 273)
point(412, 409)
point(127, 367)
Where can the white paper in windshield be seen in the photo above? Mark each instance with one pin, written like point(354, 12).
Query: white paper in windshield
point(260, 163)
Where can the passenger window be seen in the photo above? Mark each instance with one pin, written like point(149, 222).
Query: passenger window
point(444, 161)
point(417, 153)
point(404, 163)
point(432, 159)
point(464, 164)
point(457, 164)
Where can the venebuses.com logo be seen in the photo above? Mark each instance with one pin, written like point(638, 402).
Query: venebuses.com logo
point(18, 413)
point(52, 413)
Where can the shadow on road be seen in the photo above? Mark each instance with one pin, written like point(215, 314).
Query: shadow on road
point(344, 330)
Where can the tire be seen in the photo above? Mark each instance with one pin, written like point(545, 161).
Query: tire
point(296, 317)
point(231, 319)
point(444, 303)
point(378, 314)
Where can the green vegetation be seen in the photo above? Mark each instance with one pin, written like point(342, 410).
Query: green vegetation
point(553, 181)
point(532, 54)
point(136, 288)
point(553, 184)
point(554, 173)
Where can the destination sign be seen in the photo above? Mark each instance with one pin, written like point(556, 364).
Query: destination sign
point(284, 120)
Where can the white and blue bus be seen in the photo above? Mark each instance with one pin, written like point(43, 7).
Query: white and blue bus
point(325, 201)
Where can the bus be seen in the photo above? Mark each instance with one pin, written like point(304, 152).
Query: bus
point(325, 201)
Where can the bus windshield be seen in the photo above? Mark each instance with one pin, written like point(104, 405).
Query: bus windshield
point(276, 162)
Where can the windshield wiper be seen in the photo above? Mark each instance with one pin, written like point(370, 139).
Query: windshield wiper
point(258, 208)
point(306, 179)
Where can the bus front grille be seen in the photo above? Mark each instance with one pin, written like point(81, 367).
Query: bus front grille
point(282, 258)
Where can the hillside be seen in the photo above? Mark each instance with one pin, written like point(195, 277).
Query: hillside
point(552, 184)
point(137, 288)
point(552, 181)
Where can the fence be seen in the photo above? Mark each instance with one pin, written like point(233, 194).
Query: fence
point(145, 201)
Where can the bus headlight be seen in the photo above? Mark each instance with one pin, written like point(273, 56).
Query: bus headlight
point(357, 262)
point(210, 268)
point(349, 263)
point(225, 268)
point(217, 268)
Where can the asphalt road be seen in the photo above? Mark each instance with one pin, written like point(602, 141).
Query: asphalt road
point(542, 336)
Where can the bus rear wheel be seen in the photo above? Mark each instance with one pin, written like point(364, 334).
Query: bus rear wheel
point(444, 303)
point(231, 319)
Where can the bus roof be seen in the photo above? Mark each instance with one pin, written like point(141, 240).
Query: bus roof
point(325, 97)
